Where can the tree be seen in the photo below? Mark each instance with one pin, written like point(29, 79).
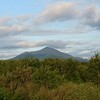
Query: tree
point(46, 77)
point(93, 71)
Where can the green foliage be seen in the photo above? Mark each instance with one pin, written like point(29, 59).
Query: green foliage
point(69, 91)
point(50, 79)
point(45, 76)
point(93, 71)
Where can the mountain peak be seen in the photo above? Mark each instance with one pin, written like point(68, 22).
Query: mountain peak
point(48, 48)
point(47, 52)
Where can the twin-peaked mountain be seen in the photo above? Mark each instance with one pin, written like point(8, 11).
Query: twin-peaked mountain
point(47, 52)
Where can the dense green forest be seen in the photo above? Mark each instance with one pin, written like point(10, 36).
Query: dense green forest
point(50, 79)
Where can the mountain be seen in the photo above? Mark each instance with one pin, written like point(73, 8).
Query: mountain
point(47, 52)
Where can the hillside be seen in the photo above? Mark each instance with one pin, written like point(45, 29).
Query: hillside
point(47, 52)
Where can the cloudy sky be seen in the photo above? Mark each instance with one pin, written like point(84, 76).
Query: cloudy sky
point(71, 26)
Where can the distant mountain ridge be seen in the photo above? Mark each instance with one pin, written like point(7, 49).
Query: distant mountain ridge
point(47, 52)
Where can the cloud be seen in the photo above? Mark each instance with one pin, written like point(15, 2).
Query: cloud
point(12, 30)
point(4, 20)
point(7, 55)
point(60, 11)
point(85, 20)
point(87, 15)
point(60, 44)
point(50, 43)
point(91, 17)
point(24, 18)
point(15, 45)
point(61, 19)
point(75, 48)
point(10, 47)
point(8, 44)
point(27, 30)
point(18, 45)
point(4, 31)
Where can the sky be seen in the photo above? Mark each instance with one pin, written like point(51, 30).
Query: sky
point(71, 26)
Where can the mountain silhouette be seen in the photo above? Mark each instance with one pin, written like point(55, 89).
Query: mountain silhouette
point(47, 52)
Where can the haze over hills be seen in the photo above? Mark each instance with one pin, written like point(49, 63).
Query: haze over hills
point(47, 52)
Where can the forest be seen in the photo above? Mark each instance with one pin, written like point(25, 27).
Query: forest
point(50, 79)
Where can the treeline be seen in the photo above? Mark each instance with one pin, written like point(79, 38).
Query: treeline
point(50, 79)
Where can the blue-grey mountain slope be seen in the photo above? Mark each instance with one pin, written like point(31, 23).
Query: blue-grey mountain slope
point(47, 52)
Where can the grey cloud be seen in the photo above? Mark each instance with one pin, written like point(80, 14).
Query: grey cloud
point(23, 30)
point(6, 31)
point(87, 49)
point(79, 52)
point(76, 48)
point(91, 17)
point(65, 11)
point(26, 45)
point(60, 44)
point(60, 11)
point(5, 20)
point(9, 44)
point(10, 47)
point(7, 55)
point(51, 43)
point(55, 44)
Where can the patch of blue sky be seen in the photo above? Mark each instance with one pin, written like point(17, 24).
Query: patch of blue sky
point(19, 7)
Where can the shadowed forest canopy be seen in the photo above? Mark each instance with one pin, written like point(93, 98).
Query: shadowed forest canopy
point(49, 79)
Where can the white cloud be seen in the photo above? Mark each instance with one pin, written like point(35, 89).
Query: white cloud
point(50, 43)
point(75, 48)
point(15, 44)
point(57, 12)
point(82, 19)
point(24, 18)
point(7, 55)
point(6, 31)
point(89, 15)
point(4, 20)
point(85, 52)
point(60, 11)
